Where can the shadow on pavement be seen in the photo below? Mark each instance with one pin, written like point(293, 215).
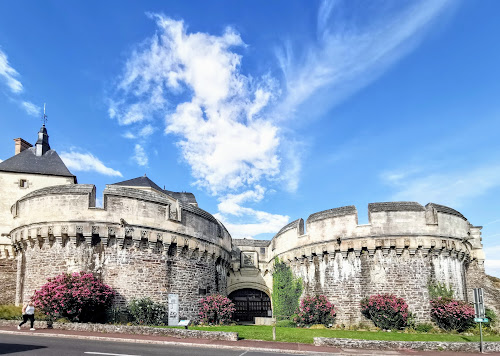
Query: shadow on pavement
point(12, 348)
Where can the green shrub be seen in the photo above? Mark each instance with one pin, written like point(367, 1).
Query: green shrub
point(10, 312)
point(424, 327)
point(286, 324)
point(438, 289)
point(144, 311)
point(316, 310)
point(492, 318)
point(386, 311)
point(450, 314)
point(286, 290)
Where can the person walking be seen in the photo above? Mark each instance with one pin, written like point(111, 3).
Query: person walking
point(28, 314)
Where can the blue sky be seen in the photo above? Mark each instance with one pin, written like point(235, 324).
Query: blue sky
point(267, 111)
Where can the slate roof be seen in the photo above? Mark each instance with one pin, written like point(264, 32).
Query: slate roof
point(325, 214)
point(184, 197)
point(445, 210)
point(28, 162)
point(395, 206)
point(250, 242)
point(140, 182)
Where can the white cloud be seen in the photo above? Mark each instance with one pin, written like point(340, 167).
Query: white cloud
point(31, 109)
point(87, 162)
point(492, 263)
point(262, 222)
point(451, 188)
point(140, 156)
point(352, 50)
point(146, 131)
point(9, 74)
point(129, 135)
point(223, 135)
point(227, 123)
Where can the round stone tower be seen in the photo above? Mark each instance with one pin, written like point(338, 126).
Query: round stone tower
point(144, 242)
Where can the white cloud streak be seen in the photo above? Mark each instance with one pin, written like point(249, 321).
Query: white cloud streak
point(86, 162)
point(492, 263)
point(31, 109)
point(349, 55)
point(9, 74)
point(140, 156)
point(451, 188)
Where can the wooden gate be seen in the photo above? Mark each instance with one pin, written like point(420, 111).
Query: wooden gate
point(250, 303)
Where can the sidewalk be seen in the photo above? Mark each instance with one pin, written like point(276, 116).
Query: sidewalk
point(269, 346)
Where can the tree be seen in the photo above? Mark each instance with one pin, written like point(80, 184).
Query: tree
point(286, 290)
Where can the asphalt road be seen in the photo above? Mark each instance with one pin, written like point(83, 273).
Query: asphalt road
point(36, 345)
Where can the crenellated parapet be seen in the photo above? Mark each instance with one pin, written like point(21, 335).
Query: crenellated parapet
point(130, 217)
point(400, 226)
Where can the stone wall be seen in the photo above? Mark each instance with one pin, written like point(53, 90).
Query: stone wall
point(404, 247)
point(8, 274)
point(133, 272)
point(142, 243)
point(476, 278)
point(345, 281)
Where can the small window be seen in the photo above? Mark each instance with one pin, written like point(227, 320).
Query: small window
point(262, 250)
point(202, 291)
point(23, 183)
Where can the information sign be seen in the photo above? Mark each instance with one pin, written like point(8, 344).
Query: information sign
point(173, 309)
point(481, 320)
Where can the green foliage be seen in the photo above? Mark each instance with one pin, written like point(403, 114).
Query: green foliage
point(424, 327)
point(387, 311)
point(438, 289)
point(144, 311)
point(492, 318)
point(13, 312)
point(286, 324)
point(316, 310)
point(10, 312)
point(450, 314)
point(286, 290)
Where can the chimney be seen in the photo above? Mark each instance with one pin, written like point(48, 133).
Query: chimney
point(21, 145)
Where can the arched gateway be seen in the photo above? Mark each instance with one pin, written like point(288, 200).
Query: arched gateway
point(250, 303)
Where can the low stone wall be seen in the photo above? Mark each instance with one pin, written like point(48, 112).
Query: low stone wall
point(124, 329)
point(407, 345)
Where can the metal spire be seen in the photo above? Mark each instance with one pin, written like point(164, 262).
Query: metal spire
point(44, 117)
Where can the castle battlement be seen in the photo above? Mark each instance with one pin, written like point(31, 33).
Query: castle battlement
point(398, 225)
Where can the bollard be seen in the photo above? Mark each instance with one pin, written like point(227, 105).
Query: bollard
point(274, 333)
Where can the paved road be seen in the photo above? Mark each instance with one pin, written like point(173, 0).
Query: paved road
point(36, 345)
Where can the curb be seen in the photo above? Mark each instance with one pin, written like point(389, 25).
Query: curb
point(175, 343)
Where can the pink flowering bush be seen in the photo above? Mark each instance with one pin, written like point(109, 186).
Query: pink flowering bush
point(78, 297)
point(216, 309)
point(315, 310)
point(451, 314)
point(386, 311)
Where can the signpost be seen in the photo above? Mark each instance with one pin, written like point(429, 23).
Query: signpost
point(480, 316)
point(173, 309)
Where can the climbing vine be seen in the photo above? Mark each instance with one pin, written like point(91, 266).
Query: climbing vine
point(286, 290)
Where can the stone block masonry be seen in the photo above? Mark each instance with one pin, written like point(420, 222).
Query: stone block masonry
point(8, 275)
point(135, 244)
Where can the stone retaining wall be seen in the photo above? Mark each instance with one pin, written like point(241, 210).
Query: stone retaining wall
point(124, 329)
point(8, 274)
point(407, 345)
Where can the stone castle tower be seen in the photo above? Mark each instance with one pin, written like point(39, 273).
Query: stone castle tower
point(148, 242)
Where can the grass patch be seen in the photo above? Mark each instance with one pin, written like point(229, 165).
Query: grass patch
point(264, 332)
